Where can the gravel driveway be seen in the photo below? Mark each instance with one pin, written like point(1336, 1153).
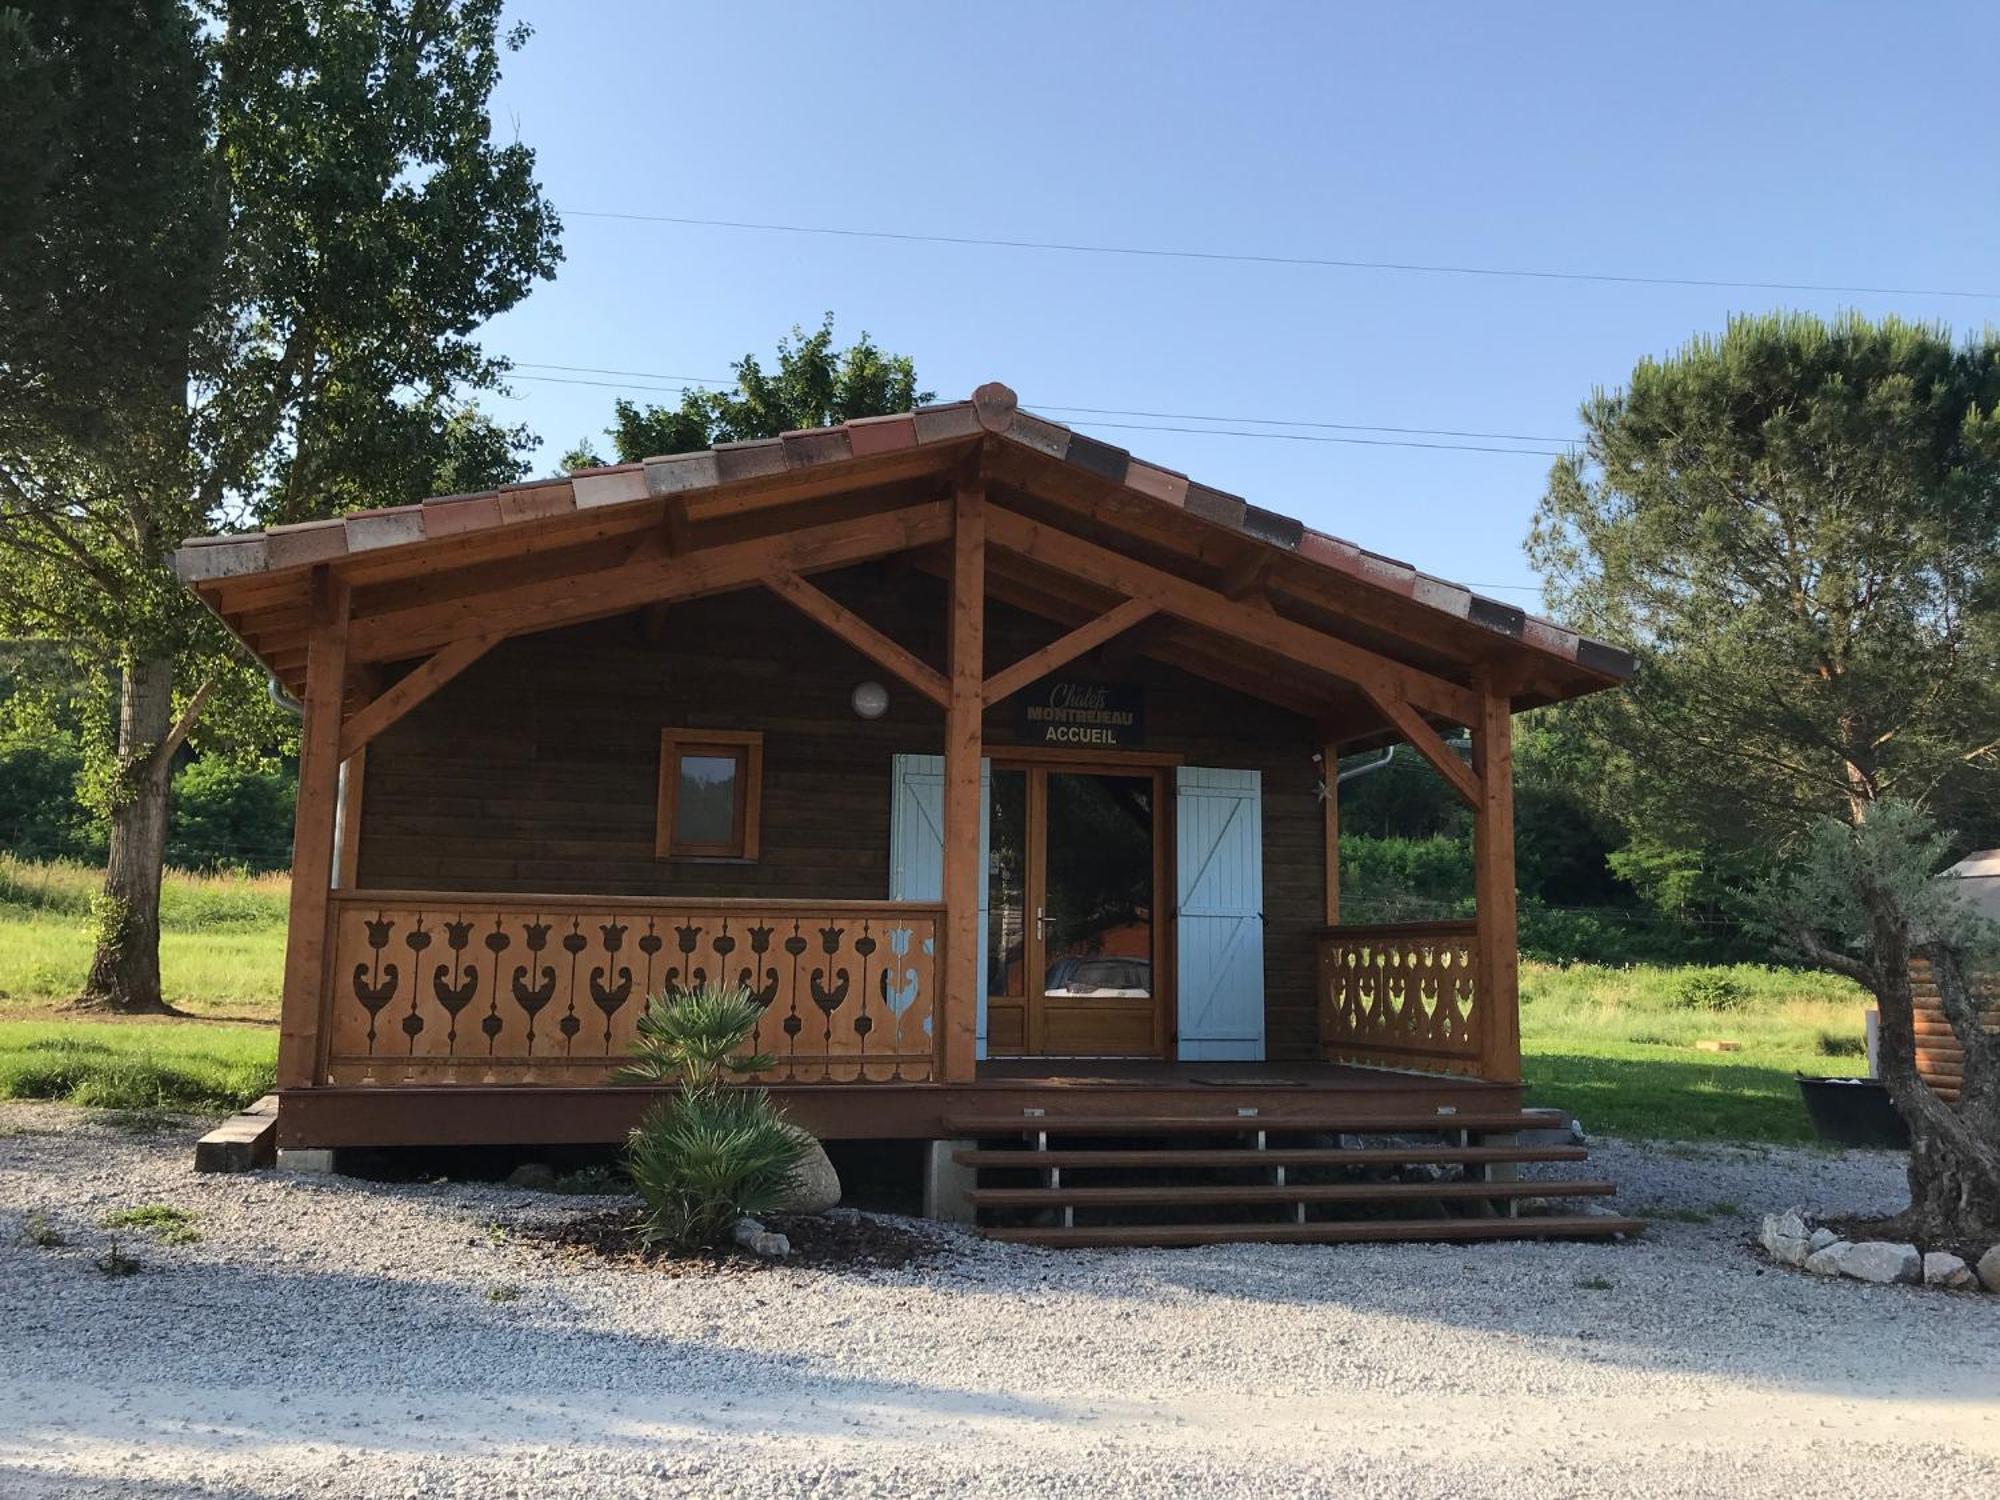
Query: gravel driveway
point(328, 1337)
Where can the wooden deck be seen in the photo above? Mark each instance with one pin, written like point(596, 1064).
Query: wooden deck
point(1328, 1095)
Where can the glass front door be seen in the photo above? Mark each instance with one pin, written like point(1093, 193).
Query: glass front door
point(1072, 935)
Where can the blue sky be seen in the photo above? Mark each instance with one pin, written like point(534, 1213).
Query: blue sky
point(1851, 144)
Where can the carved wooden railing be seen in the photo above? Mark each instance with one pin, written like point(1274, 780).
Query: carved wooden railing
point(1402, 995)
point(440, 988)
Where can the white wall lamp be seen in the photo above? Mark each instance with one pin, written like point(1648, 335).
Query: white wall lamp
point(870, 699)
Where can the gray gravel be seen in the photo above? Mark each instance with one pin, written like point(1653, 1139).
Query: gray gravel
point(327, 1337)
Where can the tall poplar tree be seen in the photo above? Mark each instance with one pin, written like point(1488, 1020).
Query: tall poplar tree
point(244, 248)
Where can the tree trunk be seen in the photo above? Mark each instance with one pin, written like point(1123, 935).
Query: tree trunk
point(1954, 1170)
point(125, 969)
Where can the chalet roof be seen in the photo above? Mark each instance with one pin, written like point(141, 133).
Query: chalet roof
point(241, 573)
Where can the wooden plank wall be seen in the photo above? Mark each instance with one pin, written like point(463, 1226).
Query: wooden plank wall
point(1940, 1059)
point(535, 770)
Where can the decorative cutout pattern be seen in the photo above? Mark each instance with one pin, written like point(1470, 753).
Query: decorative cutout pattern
point(448, 988)
point(1401, 995)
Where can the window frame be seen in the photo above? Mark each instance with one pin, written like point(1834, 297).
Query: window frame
point(746, 748)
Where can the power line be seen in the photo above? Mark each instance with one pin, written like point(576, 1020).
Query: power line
point(1316, 261)
point(689, 381)
point(1319, 437)
point(1150, 427)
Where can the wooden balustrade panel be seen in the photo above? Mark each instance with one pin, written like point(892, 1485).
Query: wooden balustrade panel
point(437, 988)
point(1401, 995)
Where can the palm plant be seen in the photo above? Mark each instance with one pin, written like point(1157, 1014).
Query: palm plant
point(708, 1154)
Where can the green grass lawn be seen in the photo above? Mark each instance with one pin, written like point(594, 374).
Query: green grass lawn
point(222, 939)
point(1614, 1045)
point(1617, 1048)
point(190, 1066)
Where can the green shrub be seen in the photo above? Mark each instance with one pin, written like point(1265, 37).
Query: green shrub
point(708, 1154)
point(1710, 990)
point(167, 1224)
point(228, 816)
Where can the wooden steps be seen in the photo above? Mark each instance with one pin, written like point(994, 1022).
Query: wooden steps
point(1275, 1156)
point(1235, 1177)
point(1321, 1233)
point(1339, 1192)
point(1483, 1121)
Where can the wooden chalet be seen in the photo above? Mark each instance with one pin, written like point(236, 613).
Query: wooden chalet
point(991, 760)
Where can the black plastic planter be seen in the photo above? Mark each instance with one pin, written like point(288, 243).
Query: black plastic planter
point(1853, 1112)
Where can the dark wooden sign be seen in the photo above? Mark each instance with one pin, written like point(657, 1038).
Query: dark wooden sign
point(1081, 715)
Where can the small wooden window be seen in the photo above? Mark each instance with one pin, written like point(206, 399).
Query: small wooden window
point(711, 789)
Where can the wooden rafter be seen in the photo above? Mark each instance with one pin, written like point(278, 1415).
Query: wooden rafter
point(1427, 743)
point(391, 704)
point(572, 599)
point(1037, 664)
point(1199, 605)
point(816, 604)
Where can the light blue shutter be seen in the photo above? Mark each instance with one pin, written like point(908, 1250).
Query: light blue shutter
point(1219, 861)
point(916, 844)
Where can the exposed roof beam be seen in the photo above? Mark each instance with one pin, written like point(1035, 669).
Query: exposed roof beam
point(816, 604)
point(555, 602)
point(1199, 605)
point(1037, 664)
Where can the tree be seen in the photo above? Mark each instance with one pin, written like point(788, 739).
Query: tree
point(244, 245)
point(1863, 901)
point(814, 386)
point(1797, 528)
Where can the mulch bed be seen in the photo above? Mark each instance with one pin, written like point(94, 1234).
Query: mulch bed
point(856, 1243)
point(1897, 1231)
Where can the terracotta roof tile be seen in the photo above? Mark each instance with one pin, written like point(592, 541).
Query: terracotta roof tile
point(369, 529)
point(817, 445)
point(677, 473)
point(1269, 526)
point(1161, 484)
point(1101, 459)
point(1216, 505)
point(305, 542)
point(530, 502)
point(453, 514)
point(941, 424)
point(867, 436)
point(1040, 434)
point(751, 460)
point(595, 487)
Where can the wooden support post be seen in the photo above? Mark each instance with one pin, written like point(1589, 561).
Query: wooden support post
point(962, 746)
point(1329, 756)
point(313, 831)
point(1498, 977)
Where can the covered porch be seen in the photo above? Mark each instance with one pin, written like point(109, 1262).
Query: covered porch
point(505, 695)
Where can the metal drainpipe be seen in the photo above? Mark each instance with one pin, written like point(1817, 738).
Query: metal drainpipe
point(297, 710)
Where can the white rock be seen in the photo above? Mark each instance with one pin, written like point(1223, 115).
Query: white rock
point(1880, 1261)
point(1785, 1236)
point(758, 1240)
point(1825, 1261)
point(1946, 1270)
point(815, 1185)
point(1821, 1238)
point(1988, 1269)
